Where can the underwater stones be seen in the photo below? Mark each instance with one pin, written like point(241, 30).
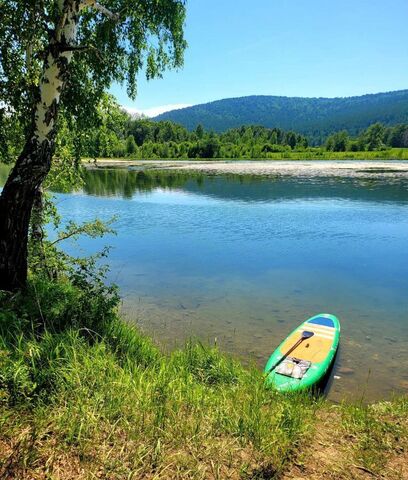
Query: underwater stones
point(345, 371)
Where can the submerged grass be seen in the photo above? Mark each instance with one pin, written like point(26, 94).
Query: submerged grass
point(84, 395)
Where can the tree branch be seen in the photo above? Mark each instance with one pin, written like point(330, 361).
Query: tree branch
point(67, 235)
point(97, 6)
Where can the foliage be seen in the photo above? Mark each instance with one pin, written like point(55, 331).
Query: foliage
point(397, 136)
point(131, 147)
point(373, 137)
point(138, 36)
point(338, 142)
point(119, 135)
point(11, 134)
point(148, 139)
point(376, 137)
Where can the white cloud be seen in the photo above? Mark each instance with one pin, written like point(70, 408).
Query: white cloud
point(153, 111)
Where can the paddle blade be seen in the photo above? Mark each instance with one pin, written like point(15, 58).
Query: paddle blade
point(306, 334)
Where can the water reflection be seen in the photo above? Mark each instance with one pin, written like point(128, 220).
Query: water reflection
point(249, 188)
point(125, 183)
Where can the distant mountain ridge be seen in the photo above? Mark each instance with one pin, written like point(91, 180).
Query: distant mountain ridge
point(314, 117)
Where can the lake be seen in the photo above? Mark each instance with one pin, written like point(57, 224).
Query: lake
point(240, 261)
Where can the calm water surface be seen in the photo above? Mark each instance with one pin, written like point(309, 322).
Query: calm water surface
point(245, 260)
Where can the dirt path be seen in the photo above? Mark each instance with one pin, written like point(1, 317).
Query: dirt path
point(347, 448)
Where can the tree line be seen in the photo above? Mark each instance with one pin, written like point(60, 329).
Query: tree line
point(375, 137)
point(119, 135)
point(116, 134)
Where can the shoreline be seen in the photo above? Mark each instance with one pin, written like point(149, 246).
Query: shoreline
point(298, 168)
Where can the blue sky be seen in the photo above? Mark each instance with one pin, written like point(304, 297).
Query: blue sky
point(308, 48)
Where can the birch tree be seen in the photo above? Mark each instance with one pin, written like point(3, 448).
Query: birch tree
point(63, 54)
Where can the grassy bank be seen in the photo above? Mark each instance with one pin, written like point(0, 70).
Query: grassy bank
point(322, 154)
point(306, 154)
point(84, 395)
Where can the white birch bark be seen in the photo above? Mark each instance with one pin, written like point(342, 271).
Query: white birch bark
point(52, 79)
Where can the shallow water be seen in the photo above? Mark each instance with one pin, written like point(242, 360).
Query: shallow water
point(243, 260)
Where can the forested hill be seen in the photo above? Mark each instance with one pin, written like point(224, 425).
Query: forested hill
point(314, 117)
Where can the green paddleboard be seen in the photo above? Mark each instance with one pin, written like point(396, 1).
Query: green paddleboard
point(313, 356)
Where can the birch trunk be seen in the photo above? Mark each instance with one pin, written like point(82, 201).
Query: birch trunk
point(34, 163)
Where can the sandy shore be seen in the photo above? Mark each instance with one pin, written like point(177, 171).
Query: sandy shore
point(309, 168)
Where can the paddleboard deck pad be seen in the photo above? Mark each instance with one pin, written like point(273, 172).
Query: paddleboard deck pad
point(309, 362)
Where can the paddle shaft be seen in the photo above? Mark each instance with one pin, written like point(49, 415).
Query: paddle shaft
point(287, 353)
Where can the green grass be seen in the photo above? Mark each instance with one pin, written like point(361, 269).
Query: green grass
point(85, 395)
point(313, 153)
point(321, 154)
point(378, 431)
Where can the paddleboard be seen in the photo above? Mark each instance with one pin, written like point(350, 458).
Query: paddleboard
point(310, 360)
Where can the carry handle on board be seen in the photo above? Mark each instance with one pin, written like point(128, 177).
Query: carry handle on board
point(305, 335)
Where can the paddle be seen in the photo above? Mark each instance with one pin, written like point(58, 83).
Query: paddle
point(305, 335)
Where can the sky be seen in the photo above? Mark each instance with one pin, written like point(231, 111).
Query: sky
point(304, 48)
